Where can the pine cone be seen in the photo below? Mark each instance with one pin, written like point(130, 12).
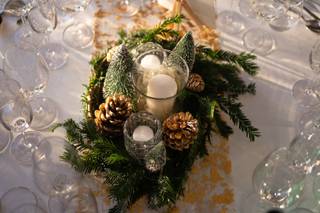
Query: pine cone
point(195, 83)
point(112, 114)
point(180, 130)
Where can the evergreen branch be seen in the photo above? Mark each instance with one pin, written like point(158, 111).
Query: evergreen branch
point(162, 28)
point(244, 60)
point(223, 128)
point(235, 113)
point(164, 193)
point(72, 156)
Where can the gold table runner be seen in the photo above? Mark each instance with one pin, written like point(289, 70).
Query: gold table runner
point(209, 188)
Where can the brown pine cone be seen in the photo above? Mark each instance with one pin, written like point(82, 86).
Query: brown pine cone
point(111, 115)
point(180, 130)
point(195, 83)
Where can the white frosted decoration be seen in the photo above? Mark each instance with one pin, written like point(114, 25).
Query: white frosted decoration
point(150, 62)
point(161, 86)
point(142, 133)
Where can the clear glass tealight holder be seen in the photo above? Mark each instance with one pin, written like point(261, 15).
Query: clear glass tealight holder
point(142, 132)
point(159, 77)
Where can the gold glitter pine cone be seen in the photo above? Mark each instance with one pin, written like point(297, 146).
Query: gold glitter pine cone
point(180, 130)
point(111, 115)
point(195, 83)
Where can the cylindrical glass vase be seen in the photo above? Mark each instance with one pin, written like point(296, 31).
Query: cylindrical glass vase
point(159, 77)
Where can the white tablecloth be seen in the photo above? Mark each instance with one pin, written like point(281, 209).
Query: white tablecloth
point(277, 122)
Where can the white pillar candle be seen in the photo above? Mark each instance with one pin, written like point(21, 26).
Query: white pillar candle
point(142, 133)
point(161, 86)
point(151, 62)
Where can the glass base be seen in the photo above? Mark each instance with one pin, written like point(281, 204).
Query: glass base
point(23, 146)
point(230, 22)
point(259, 41)
point(253, 204)
point(303, 92)
point(54, 55)
point(44, 111)
point(78, 36)
point(25, 38)
point(5, 138)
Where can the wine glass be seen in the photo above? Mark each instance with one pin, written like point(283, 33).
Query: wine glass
point(16, 116)
point(277, 180)
point(80, 200)
point(230, 21)
point(51, 174)
point(259, 41)
point(309, 123)
point(288, 15)
point(78, 35)
point(42, 19)
point(25, 67)
point(25, 37)
point(256, 39)
point(306, 91)
point(16, 197)
point(125, 8)
point(304, 152)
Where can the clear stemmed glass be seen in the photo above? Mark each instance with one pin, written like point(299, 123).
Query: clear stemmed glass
point(25, 37)
point(80, 200)
point(125, 8)
point(288, 15)
point(230, 21)
point(304, 151)
point(52, 175)
point(256, 39)
point(306, 91)
point(277, 181)
point(259, 41)
point(9, 89)
point(16, 197)
point(16, 116)
point(78, 35)
point(25, 67)
point(43, 20)
point(309, 123)
point(57, 179)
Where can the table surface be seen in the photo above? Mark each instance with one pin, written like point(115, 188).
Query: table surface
point(288, 63)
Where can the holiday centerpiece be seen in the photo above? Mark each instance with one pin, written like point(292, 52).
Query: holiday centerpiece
point(150, 108)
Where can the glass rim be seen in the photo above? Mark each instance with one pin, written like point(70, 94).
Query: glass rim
point(170, 97)
point(19, 188)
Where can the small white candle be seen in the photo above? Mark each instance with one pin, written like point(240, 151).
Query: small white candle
point(151, 62)
point(142, 133)
point(161, 86)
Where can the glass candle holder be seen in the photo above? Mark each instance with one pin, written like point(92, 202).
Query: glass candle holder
point(142, 132)
point(159, 77)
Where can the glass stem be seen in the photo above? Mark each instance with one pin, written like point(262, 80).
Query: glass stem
point(24, 138)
